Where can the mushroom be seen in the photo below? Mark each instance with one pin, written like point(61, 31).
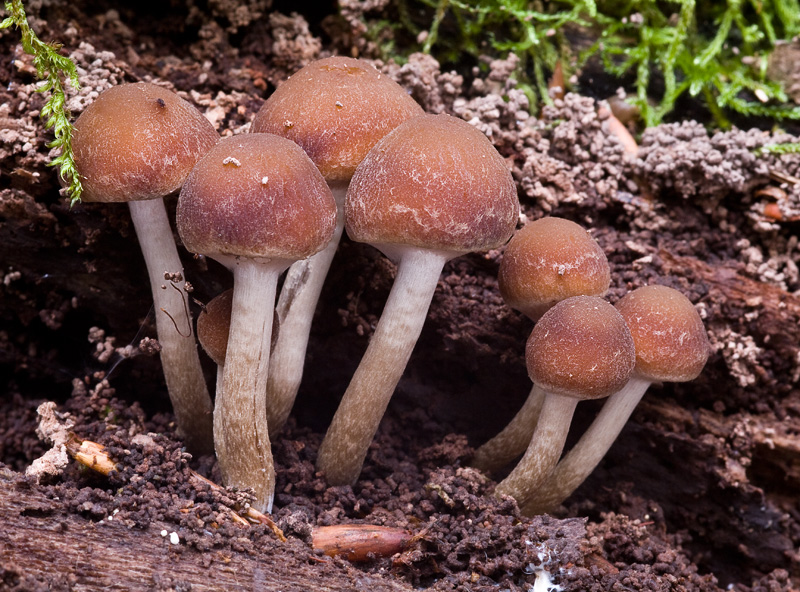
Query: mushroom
point(136, 143)
point(546, 261)
point(213, 329)
point(549, 260)
point(336, 109)
point(431, 190)
point(580, 349)
point(671, 346)
point(255, 203)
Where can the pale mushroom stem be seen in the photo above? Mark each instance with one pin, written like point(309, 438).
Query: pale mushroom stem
point(587, 453)
point(218, 381)
point(241, 433)
point(513, 440)
point(345, 446)
point(544, 450)
point(180, 360)
point(295, 312)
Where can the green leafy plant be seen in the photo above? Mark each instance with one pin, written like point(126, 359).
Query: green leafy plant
point(778, 149)
point(50, 66)
point(717, 51)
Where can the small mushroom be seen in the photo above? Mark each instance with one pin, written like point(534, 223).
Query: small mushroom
point(431, 190)
point(213, 329)
point(580, 349)
point(136, 143)
point(255, 203)
point(336, 109)
point(546, 261)
point(549, 260)
point(671, 346)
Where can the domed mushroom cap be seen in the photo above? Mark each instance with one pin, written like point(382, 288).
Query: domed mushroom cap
point(548, 260)
point(257, 196)
point(213, 326)
point(138, 141)
point(671, 341)
point(336, 109)
point(434, 182)
point(581, 348)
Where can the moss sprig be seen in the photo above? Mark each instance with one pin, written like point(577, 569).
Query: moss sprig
point(50, 66)
point(778, 149)
point(716, 51)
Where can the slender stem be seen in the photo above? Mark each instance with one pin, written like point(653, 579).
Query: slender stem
point(241, 434)
point(579, 462)
point(179, 358)
point(218, 382)
point(295, 311)
point(512, 441)
point(356, 420)
point(544, 450)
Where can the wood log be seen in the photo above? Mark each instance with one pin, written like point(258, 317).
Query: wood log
point(44, 547)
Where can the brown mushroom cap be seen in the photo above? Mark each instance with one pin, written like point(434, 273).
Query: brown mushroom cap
point(257, 196)
point(581, 348)
point(138, 141)
point(671, 341)
point(548, 260)
point(336, 109)
point(213, 326)
point(434, 182)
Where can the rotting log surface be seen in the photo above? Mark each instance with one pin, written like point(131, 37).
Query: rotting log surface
point(44, 548)
point(778, 311)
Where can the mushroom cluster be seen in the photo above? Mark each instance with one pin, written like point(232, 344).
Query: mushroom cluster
point(671, 346)
point(340, 146)
point(546, 261)
point(336, 109)
point(581, 348)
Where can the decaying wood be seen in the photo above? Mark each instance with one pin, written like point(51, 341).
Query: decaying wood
point(44, 547)
point(778, 310)
point(771, 444)
point(93, 456)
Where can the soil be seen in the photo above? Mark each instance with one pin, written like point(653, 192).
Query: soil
point(700, 492)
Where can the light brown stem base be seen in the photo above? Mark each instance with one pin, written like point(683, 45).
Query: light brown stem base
point(241, 434)
point(345, 446)
point(587, 453)
point(544, 450)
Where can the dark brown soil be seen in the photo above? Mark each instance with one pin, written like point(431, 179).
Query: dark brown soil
point(700, 493)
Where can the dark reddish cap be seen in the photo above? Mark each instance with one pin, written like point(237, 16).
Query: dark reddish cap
point(671, 341)
point(138, 141)
point(548, 260)
point(581, 348)
point(434, 182)
point(336, 109)
point(256, 196)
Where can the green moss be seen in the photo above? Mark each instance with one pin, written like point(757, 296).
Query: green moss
point(50, 66)
point(788, 148)
point(716, 51)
